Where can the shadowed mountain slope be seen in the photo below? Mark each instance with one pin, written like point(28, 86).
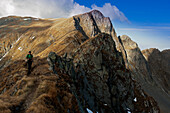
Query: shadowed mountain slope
point(150, 68)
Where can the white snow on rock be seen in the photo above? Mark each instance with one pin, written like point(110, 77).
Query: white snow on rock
point(135, 99)
point(105, 104)
point(37, 19)
point(18, 39)
point(32, 37)
point(89, 111)
point(4, 56)
point(27, 19)
point(20, 48)
point(128, 110)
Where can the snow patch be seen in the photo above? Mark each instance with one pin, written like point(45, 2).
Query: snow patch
point(135, 99)
point(128, 110)
point(37, 19)
point(20, 48)
point(4, 56)
point(27, 19)
point(32, 37)
point(89, 111)
point(18, 39)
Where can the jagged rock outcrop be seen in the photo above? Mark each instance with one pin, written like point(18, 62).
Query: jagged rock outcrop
point(159, 62)
point(150, 69)
point(160, 71)
point(97, 23)
point(135, 60)
point(101, 81)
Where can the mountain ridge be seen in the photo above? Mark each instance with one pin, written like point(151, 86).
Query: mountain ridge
point(77, 77)
point(67, 37)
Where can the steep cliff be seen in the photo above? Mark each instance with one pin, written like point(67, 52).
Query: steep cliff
point(135, 60)
point(160, 71)
point(150, 68)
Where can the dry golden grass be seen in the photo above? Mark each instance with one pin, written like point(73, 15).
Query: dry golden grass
point(40, 36)
point(40, 92)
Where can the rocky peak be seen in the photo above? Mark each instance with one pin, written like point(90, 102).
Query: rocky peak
point(93, 23)
point(135, 60)
point(96, 14)
point(160, 71)
point(166, 51)
point(148, 52)
point(128, 43)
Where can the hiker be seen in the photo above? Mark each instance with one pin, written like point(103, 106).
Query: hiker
point(29, 58)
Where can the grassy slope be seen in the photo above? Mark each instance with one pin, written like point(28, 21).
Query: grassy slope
point(42, 91)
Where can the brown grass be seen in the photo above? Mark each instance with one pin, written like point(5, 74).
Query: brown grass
point(40, 92)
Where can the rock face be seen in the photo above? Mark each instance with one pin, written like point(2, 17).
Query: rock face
point(104, 82)
point(159, 63)
point(160, 72)
point(135, 60)
point(87, 68)
point(93, 23)
point(150, 68)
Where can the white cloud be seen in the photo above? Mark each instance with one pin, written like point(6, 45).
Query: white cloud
point(78, 9)
point(36, 8)
point(111, 11)
point(54, 9)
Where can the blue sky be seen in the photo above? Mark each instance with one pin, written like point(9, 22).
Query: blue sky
point(143, 11)
point(147, 22)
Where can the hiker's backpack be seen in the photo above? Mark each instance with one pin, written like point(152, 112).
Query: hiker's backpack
point(29, 56)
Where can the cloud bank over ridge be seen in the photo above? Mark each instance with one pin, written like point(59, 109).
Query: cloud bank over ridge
point(55, 9)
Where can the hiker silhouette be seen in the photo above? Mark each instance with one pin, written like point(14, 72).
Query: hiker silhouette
point(29, 58)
